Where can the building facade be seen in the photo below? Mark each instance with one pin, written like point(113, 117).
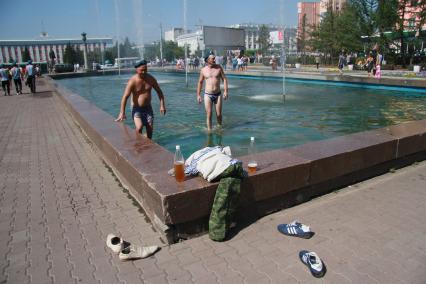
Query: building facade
point(193, 40)
point(411, 17)
point(289, 37)
point(12, 50)
point(251, 33)
point(335, 5)
point(173, 34)
point(308, 16)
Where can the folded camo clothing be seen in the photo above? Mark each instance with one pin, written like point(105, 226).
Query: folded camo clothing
point(225, 202)
point(216, 163)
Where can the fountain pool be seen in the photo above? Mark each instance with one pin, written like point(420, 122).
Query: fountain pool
point(312, 110)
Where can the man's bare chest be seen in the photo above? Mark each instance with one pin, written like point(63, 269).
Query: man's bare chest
point(211, 73)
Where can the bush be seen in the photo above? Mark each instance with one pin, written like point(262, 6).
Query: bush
point(61, 68)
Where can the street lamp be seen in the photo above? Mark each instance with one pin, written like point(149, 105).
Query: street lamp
point(83, 35)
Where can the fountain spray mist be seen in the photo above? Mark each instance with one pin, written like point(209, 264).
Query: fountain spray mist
point(186, 49)
point(117, 26)
point(138, 16)
point(283, 52)
point(98, 27)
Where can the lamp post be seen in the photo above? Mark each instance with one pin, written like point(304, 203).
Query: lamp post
point(83, 35)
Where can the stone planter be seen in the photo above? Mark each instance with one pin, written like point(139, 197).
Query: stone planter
point(298, 65)
point(416, 68)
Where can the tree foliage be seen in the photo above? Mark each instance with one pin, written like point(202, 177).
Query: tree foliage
point(264, 39)
point(301, 38)
point(25, 55)
point(73, 55)
point(364, 23)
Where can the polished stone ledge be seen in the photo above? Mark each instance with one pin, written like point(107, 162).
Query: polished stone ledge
point(285, 177)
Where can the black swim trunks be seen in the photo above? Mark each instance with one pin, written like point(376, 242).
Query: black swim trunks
point(145, 113)
point(213, 97)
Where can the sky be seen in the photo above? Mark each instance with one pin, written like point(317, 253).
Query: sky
point(139, 20)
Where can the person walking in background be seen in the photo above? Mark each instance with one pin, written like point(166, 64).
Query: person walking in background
point(234, 63)
point(17, 77)
point(342, 62)
point(317, 61)
point(374, 55)
point(212, 74)
point(31, 76)
point(5, 79)
point(140, 86)
point(378, 65)
point(369, 64)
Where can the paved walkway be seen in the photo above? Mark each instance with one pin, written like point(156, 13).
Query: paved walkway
point(58, 202)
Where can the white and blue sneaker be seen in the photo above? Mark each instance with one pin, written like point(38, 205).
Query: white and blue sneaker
point(315, 264)
point(296, 229)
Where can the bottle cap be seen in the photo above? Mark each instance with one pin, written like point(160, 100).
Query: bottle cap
point(177, 147)
point(252, 138)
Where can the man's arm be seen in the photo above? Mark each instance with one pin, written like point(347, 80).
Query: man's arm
point(160, 97)
point(200, 86)
point(225, 84)
point(127, 92)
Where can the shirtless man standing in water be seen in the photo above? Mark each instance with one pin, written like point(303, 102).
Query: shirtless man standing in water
point(212, 73)
point(140, 85)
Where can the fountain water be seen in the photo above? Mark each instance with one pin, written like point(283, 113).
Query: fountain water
point(98, 26)
point(185, 46)
point(117, 23)
point(138, 16)
point(283, 53)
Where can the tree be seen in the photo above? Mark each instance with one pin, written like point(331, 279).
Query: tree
point(72, 55)
point(68, 56)
point(52, 55)
point(343, 30)
point(94, 56)
point(127, 49)
point(386, 17)
point(323, 37)
point(301, 38)
point(348, 30)
point(420, 14)
point(25, 55)
point(264, 39)
point(366, 12)
point(401, 9)
point(172, 51)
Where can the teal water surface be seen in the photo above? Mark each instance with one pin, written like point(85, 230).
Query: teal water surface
point(310, 111)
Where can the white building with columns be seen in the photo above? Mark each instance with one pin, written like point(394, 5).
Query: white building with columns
point(11, 50)
point(251, 33)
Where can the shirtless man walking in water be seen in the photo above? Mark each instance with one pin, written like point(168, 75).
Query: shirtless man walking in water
point(213, 74)
point(140, 85)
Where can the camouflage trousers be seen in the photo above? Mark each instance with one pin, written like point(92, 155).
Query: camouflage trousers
point(225, 202)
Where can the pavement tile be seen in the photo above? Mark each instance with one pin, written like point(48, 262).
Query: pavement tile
point(199, 272)
point(174, 271)
point(149, 268)
point(130, 278)
point(187, 257)
point(17, 275)
point(157, 279)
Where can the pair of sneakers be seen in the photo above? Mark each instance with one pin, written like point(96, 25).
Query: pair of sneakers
point(128, 251)
point(309, 258)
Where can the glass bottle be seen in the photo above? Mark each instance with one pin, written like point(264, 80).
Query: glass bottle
point(252, 164)
point(179, 165)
